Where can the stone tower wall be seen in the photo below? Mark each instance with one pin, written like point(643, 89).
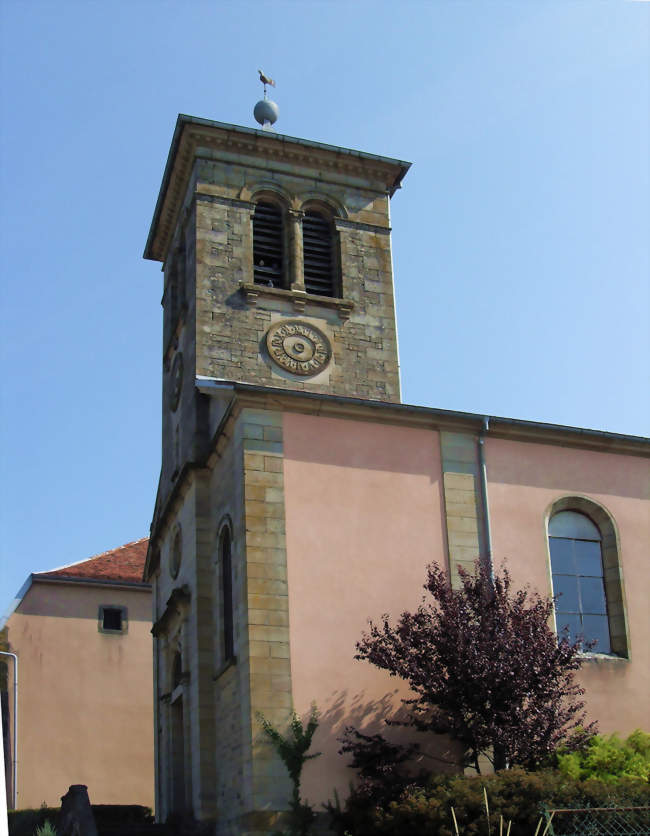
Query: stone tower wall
point(233, 315)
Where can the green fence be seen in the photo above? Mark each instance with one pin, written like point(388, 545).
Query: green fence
point(597, 821)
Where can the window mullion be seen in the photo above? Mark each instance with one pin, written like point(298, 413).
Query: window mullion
point(296, 268)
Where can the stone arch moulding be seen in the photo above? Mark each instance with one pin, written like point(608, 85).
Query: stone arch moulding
point(224, 596)
point(317, 200)
point(612, 568)
point(267, 188)
point(225, 521)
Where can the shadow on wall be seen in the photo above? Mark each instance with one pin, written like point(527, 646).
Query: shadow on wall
point(61, 600)
point(566, 470)
point(331, 772)
point(363, 445)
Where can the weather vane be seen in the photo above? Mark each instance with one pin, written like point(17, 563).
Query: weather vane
point(266, 111)
point(266, 80)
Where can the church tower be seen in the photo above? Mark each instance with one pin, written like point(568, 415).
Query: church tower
point(277, 283)
point(277, 265)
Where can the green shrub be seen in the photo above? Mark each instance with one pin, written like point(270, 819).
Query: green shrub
point(25, 822)
point(109, 818)
point(514, 794)
point(47, 829)
point(292, 749)
point(609, 758)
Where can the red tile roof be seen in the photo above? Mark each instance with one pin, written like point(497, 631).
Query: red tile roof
point(126, 563)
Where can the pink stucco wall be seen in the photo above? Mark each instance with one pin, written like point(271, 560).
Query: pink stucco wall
point(364, 517)
point(85, 697)
point(524, 480)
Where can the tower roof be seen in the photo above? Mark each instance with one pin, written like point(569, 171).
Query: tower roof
point(195, 137)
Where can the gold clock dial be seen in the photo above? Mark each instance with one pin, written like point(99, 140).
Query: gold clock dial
point(298, 347)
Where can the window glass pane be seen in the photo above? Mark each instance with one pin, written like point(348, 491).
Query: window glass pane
point(566, 586)
point(112, 619)
point(588, 558)
point(563, 620)
point(592, 596)
point(562, 555)
point(572, 524)
point(596, 627)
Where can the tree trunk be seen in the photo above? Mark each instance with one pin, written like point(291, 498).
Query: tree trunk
point(499, 758)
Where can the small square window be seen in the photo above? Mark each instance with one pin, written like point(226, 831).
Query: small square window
point(112, 620)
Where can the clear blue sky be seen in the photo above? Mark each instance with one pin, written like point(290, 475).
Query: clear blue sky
point(520, 237)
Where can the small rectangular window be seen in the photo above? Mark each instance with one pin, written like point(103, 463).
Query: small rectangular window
point(112, 619)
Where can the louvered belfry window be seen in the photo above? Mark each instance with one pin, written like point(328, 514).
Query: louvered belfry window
point(268, 245)
point(318, 250)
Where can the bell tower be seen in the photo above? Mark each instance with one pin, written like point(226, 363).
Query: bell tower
point(278, 284)
point(277, 262)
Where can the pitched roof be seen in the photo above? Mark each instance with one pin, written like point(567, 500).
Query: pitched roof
point(125, 563)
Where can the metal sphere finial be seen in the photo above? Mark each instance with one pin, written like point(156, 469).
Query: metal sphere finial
point(266, 111)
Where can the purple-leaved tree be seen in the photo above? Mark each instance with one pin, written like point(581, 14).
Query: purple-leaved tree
point(485, 668)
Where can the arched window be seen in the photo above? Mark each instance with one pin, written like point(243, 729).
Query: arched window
point(268, 245)
point(318, 253)
point(575, 544)
point(177, 670)
point(225, 555)
point(176, 555)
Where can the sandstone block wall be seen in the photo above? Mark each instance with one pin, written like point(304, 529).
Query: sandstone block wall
point(268, 602)
point(461, 487)
point(230, 329)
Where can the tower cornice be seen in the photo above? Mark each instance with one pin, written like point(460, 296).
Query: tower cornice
point(195, 138)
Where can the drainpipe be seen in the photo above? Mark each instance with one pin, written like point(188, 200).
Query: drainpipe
point(484, 495)
point(15, 752)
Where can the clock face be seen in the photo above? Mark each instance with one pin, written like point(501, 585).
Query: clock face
point(298, 347)
point(176, 381)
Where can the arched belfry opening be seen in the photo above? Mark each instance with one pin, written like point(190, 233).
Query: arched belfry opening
point(319, 256)
point(268, 244)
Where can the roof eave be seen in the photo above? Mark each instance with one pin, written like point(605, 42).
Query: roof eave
point(62, 579)
point(515, 426)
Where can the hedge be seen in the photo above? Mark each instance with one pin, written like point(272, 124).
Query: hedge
point(109, 818)
point(516, 795)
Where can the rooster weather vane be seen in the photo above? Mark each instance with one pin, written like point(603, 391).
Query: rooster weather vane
point(265, 79)
point(266, 111)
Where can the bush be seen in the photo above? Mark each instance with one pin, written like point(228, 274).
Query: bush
point(25, 822)
point(46, 830)
point(292, 749)
point(381, 765)
point(109, 818)
point(515, 794)
point(609, 758)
